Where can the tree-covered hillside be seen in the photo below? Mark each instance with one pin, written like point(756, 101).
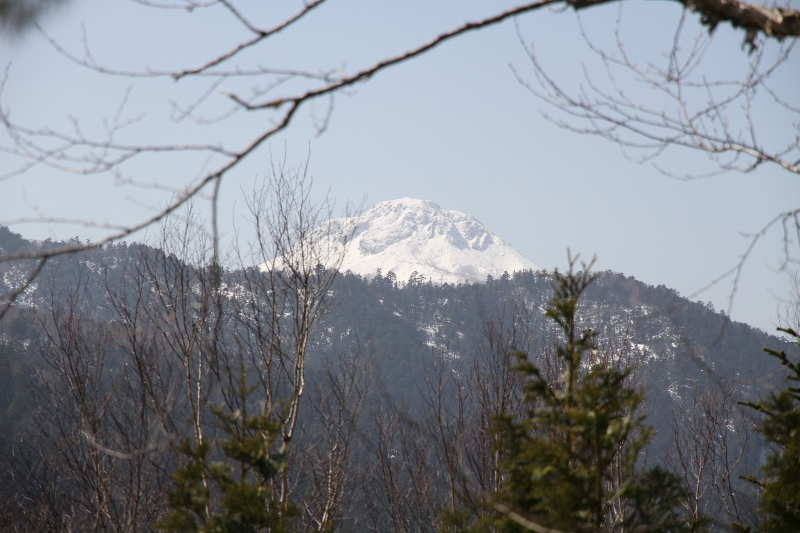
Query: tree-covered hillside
point(400, 323)
point(125, 331)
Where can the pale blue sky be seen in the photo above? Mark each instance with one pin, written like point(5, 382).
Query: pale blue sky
point(453, 126)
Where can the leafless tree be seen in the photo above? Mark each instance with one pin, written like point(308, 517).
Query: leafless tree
point(91, 458)
point(131, 371)
point(711, 443)
point(403, 494)
point(299, 250)
point(274, 103)
point(618, 353)
point(490, 387)
point(326, 467)
point(443, 456)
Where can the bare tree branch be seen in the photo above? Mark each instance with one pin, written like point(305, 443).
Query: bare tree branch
point(607, 113)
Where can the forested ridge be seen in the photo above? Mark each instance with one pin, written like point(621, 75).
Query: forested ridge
point(394, 369)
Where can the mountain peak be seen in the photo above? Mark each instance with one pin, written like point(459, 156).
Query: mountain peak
point(408, 235)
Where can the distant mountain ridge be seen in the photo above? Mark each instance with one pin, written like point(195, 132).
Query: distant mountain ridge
point(409, 235)
point(401, 326)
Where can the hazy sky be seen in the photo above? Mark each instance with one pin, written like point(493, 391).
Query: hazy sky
point(453, 126)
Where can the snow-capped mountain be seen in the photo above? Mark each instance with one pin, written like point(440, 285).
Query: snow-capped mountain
point(408, 235)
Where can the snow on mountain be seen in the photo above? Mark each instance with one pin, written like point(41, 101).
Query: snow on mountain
point(410, 235)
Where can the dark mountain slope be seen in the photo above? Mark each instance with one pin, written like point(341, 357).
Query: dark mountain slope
point(678, 343)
